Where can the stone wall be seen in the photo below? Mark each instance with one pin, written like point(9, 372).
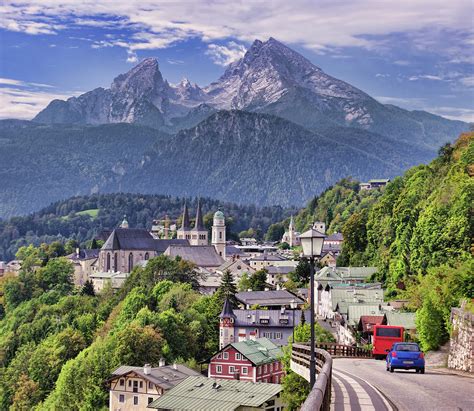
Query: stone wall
point(461, 346)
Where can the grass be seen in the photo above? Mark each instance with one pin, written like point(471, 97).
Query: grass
point(92, 213)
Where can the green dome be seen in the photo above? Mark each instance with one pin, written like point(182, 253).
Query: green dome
point(219, 214)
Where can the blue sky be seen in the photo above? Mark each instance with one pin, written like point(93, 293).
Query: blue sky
point(417, 54)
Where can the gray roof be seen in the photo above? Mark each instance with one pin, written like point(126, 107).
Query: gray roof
point(84, 254)
point(259, 351)
point(406, 320)
point(199, 224)
point(245, 318)
point(233, 250)
point(201, 255)
point(138, 239)
point(272, 297)
point(165, 377)
point(335, 237)
point(268, 257)
point(206, 394)
point(185, 225)
point(276, 269)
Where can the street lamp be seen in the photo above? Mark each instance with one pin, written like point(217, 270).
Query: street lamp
point(293, 305)
point(312, 242)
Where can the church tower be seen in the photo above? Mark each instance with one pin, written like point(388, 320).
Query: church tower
point(184, 232)
point(226, 325)
point(218, 233)
point(199, 233)
point(291, 233)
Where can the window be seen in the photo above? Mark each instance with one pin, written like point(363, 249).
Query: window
point(147, 256)
point(231, 369)
point(265, 369)
point(121, 398)
point(122, 382)
point(141, 384)
point(129, 383)
point(150, 385)
point(130, 262)
point(115, 262)
point(225, 355)
point(219, 356)
point(150, 400)
point(267, 335)
point(219, 369)
point(245, 370)
point(388, 332)
point(135, 400)
point(107, 267)
point(277, 336)
point(238, 356)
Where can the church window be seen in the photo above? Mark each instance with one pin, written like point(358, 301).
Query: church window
point(220, 235)
point(130, 262)
point(115, 262)
point(107, 267)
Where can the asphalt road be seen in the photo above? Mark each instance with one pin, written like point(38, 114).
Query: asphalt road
point(408, 390)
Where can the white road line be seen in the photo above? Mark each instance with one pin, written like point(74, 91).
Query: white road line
point(378, 391)
point(362, 395)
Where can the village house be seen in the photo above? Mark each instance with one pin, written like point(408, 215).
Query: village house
point(277, 275)
point(264, 260)
point(83, 261)
point(328, 259)
point(271, 299)
point(373, 184)
point(249, 360)
point(237, 325)
point(135, 388)
point(231, 395)
point(366, 326)
point(333, 243)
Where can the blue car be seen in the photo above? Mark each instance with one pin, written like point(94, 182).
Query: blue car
point(406, 356)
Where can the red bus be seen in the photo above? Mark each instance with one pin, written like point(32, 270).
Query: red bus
point(384, 337)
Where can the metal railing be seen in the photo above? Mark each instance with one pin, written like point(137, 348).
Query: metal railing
point(320, 396)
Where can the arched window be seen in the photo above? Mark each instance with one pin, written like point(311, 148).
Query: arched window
point(147, 256)
point(115, 262)
point(130, 262)
point(107, 265)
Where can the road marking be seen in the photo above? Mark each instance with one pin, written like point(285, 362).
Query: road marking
point(378, 399)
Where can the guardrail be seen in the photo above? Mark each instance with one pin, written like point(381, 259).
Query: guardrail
point(320, 396)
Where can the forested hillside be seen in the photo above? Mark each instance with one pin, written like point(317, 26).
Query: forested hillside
point(82, 218)
point(418, 231)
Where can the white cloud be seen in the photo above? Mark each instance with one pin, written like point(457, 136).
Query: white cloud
point(131, 57)
point(382, 75)
point(467, 81)
point(23, 100)
point(224, 55)
point(425, 77)
point(315, 25)
point(175, 61)
point(454, 113)
point(402, 62)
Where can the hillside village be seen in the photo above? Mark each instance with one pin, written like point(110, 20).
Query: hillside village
point(256, 325)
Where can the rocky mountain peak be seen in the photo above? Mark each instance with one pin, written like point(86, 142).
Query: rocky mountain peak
point(142, 79)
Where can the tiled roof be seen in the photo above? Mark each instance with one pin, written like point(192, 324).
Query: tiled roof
point(84, 254)
point(272, 297)
point(251, 318)
point(268, 257)
point(259, 351)
point(276, 269)
point(335, 237)
point(351, 295)
point(201, 255)
point(166, 377)
point(367, 322)
point(356, 311)
point(233, 250)
point(206, 394)
point(406, 320)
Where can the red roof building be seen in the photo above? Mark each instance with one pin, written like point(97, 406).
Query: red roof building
point(251, 360)
point(366, 325)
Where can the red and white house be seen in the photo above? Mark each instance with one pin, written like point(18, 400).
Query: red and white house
point(251, 360)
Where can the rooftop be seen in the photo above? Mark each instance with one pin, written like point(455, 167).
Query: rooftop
point(165, 377)
point(267, 298)
point(259, 351)
point(204, 394)
point(405, 320)
point(201, 255)
point(271, 318)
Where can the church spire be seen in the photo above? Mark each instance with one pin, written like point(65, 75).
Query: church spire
point(199, 224)
point(292, 224)
point(185, 225)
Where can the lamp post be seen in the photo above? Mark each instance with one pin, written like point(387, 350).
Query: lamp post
point(293, 305)
point(312, 242)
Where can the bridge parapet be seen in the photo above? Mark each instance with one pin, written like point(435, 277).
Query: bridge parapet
point(320, 396)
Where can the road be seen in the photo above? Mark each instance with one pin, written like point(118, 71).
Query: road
point(358, 384)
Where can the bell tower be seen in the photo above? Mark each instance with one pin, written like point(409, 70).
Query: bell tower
point(226, 325)
point(218, 233)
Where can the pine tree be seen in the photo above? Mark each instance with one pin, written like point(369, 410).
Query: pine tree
point(88, 288)
point(94, 244)
point(228, 288)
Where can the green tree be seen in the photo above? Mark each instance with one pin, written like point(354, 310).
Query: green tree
point(228, 288)
point(88, 289)
point(275, 232)
point(301, 273)
point(244, 283)
point(56, 274)
point(258, 280)
point(29, 257)
point(430, 326)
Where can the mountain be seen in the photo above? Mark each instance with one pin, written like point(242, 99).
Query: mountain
point(140, 96)
point(264, 159)
point(270, 78)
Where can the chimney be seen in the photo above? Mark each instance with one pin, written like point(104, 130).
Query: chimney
point(147, 369)
point(175, 366)
point(162, 362)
